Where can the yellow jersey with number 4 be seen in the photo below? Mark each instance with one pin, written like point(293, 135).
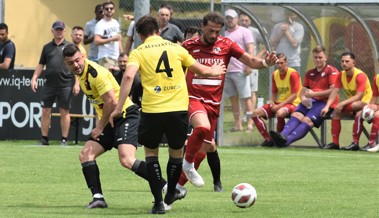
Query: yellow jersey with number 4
point(162, 77)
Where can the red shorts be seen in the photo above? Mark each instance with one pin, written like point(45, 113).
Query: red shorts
point(212, 111)
point(290, 108)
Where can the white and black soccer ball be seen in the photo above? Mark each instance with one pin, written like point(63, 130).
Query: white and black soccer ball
point(244, 195)
point(367, 113)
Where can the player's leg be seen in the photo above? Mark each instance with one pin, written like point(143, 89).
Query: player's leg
point(91, 150)
point(215, 166)
point(357, 125)
point(64, 104)
point(201, 128)
point(265, 113)
point(176, 132)
point(150, 132)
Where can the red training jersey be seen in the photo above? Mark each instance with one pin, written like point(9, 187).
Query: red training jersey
point(209, 89)
point(320, 81)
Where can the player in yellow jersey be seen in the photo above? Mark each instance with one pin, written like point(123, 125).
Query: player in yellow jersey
point(164, 103)
point(358, 93)
point(102, 90)
point(286, 87)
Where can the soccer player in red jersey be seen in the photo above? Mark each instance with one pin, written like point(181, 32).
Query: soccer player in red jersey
point(318, 84)
point(206, 93)
point(371, 147)
point(358, 91)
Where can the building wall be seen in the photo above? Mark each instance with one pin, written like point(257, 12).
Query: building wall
point(30, 21)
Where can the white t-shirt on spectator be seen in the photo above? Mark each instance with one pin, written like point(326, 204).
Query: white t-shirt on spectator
point(107, 29)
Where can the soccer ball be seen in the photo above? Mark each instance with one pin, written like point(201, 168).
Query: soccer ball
point(244, 195)
point(367, 113)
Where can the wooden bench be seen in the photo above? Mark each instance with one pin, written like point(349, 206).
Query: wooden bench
point(77, 118)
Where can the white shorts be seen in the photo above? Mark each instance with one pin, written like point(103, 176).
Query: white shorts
point(254, 80)
point(237, 84)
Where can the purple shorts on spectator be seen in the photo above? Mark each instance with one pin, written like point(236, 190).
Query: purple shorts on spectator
point(314, 113)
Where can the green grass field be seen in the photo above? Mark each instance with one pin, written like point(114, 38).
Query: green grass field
point(293, 182)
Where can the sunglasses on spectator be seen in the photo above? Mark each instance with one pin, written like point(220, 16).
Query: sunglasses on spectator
point(108, 9)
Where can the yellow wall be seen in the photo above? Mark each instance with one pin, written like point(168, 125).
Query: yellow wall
point(29, 23)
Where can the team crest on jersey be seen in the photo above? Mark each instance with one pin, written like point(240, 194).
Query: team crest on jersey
point(322, 74)
point(216, 50)
point(157, 89)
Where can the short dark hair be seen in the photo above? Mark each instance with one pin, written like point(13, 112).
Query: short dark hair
point(348, 53)
point(97, 7)
point(77, 28)
point(319, 49)
point(70, 50)
point(107, 3)
point(281, 55)
point(147, 25)
point(213, 17)
point(191, 30)
point(3, 26)
point(169, 7)
point(122, 54)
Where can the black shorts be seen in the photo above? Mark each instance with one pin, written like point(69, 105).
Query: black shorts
point(125, 130)
point(62, 94)
point(153, 125)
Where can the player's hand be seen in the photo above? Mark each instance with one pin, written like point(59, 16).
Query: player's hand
point(339, 107)
point(114, 114)
point(324, 111)
point(218, 68)
point(373, 107)
point(96, 132)
point(308, 93)
point(34, 85)
point(271, 58)
point(248, 71)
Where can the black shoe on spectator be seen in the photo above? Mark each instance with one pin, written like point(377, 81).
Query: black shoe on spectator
point(97, 203)
point(279, 139)
point(44, 142)
point(158, 209)
point(352, 147)
point(267, 143)
point(331, 146)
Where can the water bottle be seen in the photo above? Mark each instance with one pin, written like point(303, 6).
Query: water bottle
point(260, 101)
point(309, 100)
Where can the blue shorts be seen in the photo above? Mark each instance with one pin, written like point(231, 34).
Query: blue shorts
point(314, 113)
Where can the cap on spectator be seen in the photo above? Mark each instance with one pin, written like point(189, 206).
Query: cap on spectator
point(58, 25)
point(231, 13)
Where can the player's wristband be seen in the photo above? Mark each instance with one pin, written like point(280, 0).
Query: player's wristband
point(264, 63)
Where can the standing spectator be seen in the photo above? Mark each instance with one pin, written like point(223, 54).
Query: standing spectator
point(102, 90)
point(173, 20)
point(89, 33)
point(286, 87)
point(58, 83)
point(118, 73)
point(129, 44)
point(286, 38)
point(7, 49)
point(191, 32)
point(164, 103)
point(317, 86)
point(167, 30)
point(237, 80)
point(358, 92)
point(206, 93)
point(245, 21)
point(77, 38)
point(107, 37)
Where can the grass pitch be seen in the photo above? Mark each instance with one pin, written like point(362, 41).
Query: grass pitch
point(294, 182)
